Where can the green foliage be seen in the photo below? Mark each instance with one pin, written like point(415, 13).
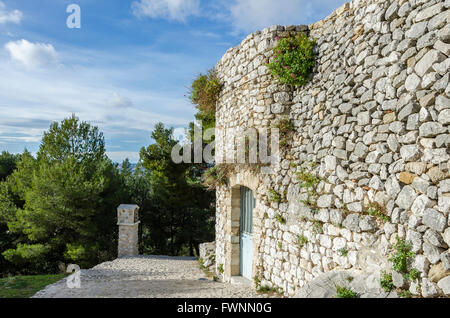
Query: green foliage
point(293, 60)
point(8, 163)
point(413, 274)
point(280, 245)
point(343, 251)
point(402, 256)
point(25, 254)
point(386, 281)
point(220, 269)
point(317, 227)
point(286, 128)
point(280, 219)
point(276, 197)
point(257, 281)
point(180, 214)
point(62, 201)
point(377, 211)
point(344, 292)
point(405, 294)
point(205, 92)
point(269, 290)
point(310, 183)
point(308, 179)
point(301, 241)
point(217, 176)
point(26, 286)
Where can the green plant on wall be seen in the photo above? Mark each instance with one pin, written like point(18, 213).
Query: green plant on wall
point(317, 227)
point(301, 241)
point(293, 60)
point(276, 197)
point(402, 258)
point(343, 251)
point(386, 281)
point(205, 92)
point(344, 292)
point(216, 176)
point(286, 128)
point(310, 183)
point(376, 210)
point(280, 219)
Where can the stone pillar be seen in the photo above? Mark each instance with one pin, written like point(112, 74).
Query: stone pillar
point(128, 222)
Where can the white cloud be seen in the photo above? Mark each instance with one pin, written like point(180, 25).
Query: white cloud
point(177, 10)
point(14, 16)
point(251, 15)
point(119, 101)
point(32, 54)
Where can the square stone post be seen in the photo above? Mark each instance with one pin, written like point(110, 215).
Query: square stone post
point(128, 222)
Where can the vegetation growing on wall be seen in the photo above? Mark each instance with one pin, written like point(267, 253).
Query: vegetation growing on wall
point(386, 281)
point(402, 258)
point(287, 129)
point(301, 241)
point(309, 182)
point(376, 210)
point(217, 176)
point(344, 292)
point(293, 60)
point(276, 197)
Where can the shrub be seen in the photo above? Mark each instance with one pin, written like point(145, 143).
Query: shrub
point(205, 92)
point(413, 274)
point(344, 292)
point(286, 128)
point(402, 256)
point(294, 60)
point(216, 176)
point(386, 281)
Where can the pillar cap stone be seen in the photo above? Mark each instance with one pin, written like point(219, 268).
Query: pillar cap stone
point(127, 214)
point(128, 207)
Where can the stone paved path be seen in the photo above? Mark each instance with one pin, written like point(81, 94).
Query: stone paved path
point(147, 277)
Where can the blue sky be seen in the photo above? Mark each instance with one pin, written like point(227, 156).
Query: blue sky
point(127, 68)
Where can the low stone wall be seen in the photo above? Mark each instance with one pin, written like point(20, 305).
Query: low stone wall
point(373, 124)
point(207, 256)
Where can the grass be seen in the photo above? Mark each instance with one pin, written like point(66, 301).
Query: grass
point(26, 286)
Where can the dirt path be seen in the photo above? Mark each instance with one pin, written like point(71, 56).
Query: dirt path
point(147, 277)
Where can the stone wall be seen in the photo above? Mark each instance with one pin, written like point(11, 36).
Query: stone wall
point(207, 256)
point(373, 124)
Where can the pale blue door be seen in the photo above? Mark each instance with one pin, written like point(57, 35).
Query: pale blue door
point(246, 238)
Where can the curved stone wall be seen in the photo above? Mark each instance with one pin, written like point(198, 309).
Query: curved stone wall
point(373, 124)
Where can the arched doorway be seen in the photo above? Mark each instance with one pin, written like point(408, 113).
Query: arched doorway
point(247, 205)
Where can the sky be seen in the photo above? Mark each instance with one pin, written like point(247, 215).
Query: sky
point(129, 65)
